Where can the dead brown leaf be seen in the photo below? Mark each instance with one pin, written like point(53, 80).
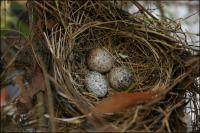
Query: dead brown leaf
point(121, 101)
point(24, 97)
point(37, 82)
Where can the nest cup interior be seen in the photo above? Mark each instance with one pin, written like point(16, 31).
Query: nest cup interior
point(130, 48)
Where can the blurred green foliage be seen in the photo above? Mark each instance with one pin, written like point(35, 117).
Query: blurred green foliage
point(11, 16)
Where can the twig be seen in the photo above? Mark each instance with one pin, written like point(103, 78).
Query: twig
point(141, 8)
point(160, 7)
point(49, 95)
point(73, 120)
point(40, 110)
point(190, 15)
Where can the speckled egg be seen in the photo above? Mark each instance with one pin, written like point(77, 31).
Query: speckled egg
point(96, 83)
point(120, 78)
point(98, 59)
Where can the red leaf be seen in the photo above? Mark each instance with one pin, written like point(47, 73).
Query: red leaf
point(122, 100)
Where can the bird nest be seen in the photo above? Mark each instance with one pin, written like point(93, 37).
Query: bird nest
point(163, 68)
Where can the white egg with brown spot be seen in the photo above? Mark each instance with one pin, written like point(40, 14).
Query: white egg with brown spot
point(96, 83)
point(100, 60)
point(120, 78)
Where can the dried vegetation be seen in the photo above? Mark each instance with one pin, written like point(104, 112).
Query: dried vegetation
point(61, 34)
